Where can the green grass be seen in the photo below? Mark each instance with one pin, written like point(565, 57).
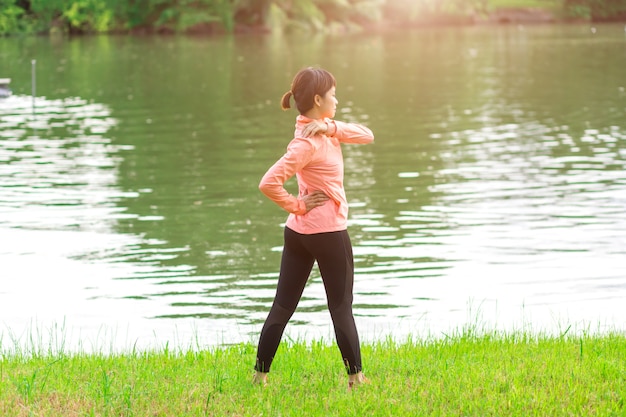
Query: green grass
point(484, 375)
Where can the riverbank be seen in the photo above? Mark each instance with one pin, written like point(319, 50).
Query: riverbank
point(211, 17)
point(501, 15)
point(493, 374)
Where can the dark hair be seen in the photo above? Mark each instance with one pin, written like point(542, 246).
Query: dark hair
point(305, 85)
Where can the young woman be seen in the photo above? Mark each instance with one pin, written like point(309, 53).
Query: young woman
point(316, 229)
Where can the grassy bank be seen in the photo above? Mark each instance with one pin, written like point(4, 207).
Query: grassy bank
point(488, 375)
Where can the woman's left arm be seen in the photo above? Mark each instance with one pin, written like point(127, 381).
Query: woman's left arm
point(349, 132)
point(342, 131)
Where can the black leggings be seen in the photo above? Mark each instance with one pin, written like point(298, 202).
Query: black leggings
point(333, 252)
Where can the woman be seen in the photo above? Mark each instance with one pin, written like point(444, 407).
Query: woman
point(316, 229)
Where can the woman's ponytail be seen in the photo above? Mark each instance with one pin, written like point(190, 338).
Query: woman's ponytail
point(285, 102)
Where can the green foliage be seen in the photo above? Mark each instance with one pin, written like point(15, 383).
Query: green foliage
point(47, 11)
point(88, 16)
point(307, 11)
point(415, 10)
point(10, 17)
point(540, 4)
point(608, 9)
point(134, 13)
point(577, 11)
point(596, 9)
point(185, 15)
point(320, 15)
point(72, 15)
point(84, 16)
point(367, 10)
point(225, 10)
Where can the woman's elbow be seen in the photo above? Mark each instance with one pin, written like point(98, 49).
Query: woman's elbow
point(263, 187)
point(266, 186)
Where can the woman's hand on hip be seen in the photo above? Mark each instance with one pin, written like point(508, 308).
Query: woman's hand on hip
point(315, 199)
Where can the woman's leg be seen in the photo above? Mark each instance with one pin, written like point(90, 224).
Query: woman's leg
point(333, 252)
point(295, 268)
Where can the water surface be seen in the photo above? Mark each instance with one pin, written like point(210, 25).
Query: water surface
point(494, 194)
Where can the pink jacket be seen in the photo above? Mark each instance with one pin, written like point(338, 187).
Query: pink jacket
point(317, 163)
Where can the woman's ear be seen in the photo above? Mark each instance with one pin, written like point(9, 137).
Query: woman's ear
point(317, 100)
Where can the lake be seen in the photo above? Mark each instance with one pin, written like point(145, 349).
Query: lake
point(494, 196)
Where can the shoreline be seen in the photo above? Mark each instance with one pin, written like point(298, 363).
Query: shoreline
point(501, 16)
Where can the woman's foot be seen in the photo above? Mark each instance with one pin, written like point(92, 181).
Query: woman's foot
point(355, 380)
point(259, 378)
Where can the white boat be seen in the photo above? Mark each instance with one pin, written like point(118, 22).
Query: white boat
point(5, 91)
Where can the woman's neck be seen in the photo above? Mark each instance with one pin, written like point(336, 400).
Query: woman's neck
point(313, 114)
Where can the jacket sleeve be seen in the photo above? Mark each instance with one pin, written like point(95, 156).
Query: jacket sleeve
point(350, 132)
point(299, 154)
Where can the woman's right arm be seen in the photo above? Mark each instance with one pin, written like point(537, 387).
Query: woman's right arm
point(298, 154)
